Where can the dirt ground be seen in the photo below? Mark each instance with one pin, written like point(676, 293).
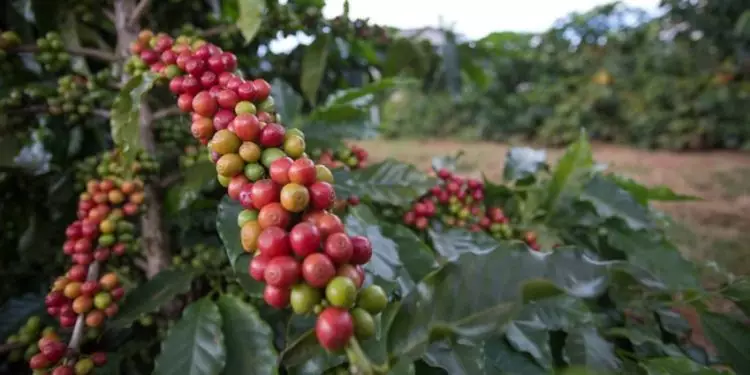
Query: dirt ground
point(716, 228)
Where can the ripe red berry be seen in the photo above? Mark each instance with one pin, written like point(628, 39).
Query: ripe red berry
point(279, 170)
point(247, 127)
point(276, 297)
point(77, 273)
point(209, 79)
point(282, 271)
point(67, 321)
point(274, 215)
point(227, 99)
point(272, 135)
point(191, 85)
point(318, 270)
point(215, 64)
point(262, 89)
point(235, 186)
point(90, 288)
point(338, 247)
point(149, 56)
point(54, 299)
point(257, 266)
point(334, 328)
point(355, 273)
point(302, 172)
point(246, 91)
point(224, 78)
point(264, 192)
point(444, 174)
point(361, 250)
point(273, 242)
point(53, 350)
point(322, 195)
point(63, 370)
point(102, 254)
point(229, 60)
point(204, 104)
point(195, 66)
point(328, 224)
point(82, 246)
point(39, 361)
point(233, 83)
point(83, 258)
point(117, 293)
point(182, 59)
point(421, 223)
point(99, 358)
point(169, 57)
point(304, 239)
point(246, 196)
point(175, 86)
point(222, 119)
point(185, 102)
point(69, 247)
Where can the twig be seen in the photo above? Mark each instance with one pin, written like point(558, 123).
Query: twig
point(169, 180)
point(77, 336)
point(138, 11)
point(80, 51)
point(109, 14)
point(216, 30)
point(166, 112)
point(103, 113)
point(140, 263)
point(5, 348)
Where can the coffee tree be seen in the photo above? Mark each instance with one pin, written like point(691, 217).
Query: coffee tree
point(246, 259)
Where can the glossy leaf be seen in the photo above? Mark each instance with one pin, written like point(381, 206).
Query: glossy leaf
point(287, 102)
point(644, 194)
point(126, 115)
point(449, 162)
point(195, 179)
point(609, 200)
point(389, 253)
point(500, 358)
point(195, 344)
point(248, 339)
point(731, 339)
point(522, 162)
point(672, 366)
point(530, 332)
point(69, 35)
point(151, 295)
point(586, 347)
point(229, 231)
point(739, 293)
point(460, 358)
point(390, 182)
point(250, 18)
point(252, 287)
point(305, 356)
point(314, 64)
point(453, 242)
point(474, 295)
point(355, 96)
point(568, 172)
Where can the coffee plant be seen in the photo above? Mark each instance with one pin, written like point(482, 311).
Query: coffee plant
point(238, 231)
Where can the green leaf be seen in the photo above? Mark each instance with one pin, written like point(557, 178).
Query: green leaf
point(337, 113)
point(389, 253)
point(643, 194)
point(673, 366)
point(609, 200)
point(195, 345)
point(9, 148)
point(151, 295)
point(349, 96)
point(252, 287)
point(250, 18)
point(449, 162)
point(229, 231)
point(476, 294)
point(567, 174)
point(69, 34)
point(313, 66)
point(731, 339)
point(389, 182)
point(500, 358)
point(585, 346)
point(454, 242)
point(195, 179)
point(126, 115)
point(405, 56)
point(15, 312)
point(112, 367)
point(460, 358)
point(530, 332)
point(305, 356)
point(739, 293)
point(287, 102)
point(522, 162)
point(249, 340)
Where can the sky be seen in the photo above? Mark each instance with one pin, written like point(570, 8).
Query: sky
point(472, 18)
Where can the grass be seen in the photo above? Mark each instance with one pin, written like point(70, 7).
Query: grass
point(716, 228)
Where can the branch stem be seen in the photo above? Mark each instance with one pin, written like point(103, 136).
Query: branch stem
point(80, 51)
point(78, 329)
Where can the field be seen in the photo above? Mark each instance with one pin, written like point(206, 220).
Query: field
point(715, 228)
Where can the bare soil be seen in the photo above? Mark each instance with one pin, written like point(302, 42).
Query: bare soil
point(716, 228)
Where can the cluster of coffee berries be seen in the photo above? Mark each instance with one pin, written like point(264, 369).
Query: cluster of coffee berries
point(55, 358)
point(110, 165)
point(159, 54)
point(301, 250)
point(77, 96)
point(25, 339)
point(52, 54)
point(352, 157)
point(9, 39)
point(171, 133)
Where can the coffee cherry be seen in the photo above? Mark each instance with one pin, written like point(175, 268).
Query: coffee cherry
point(294, 197)
point(227, 99)
point(364, 324)
point(274, 215)
point(328, 224)
point(355, 273)
point(304, 298)
point(338, 247)
point(276, 297)
point(249, 235)
point(333, 328)
point(265, 192)
point(247, 127)
point(303, 172)
point(373, 299)
point(225, 142)
point(322, 195)
point(318, 270)
point(204, 104)
point(304, 239)
point(282, 271)
point(257, 266)
point(279, 170)
point(361, 250)
point(262, 89)
point(272, 135)
point(235, 186)
point(341, 292)
point(273, 242)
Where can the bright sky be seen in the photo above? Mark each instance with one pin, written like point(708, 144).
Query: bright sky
point(473, 18)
